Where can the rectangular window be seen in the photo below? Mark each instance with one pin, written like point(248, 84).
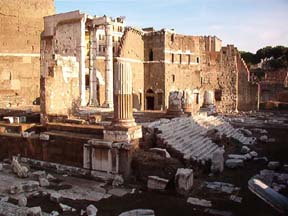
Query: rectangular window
point(189, 59)
point(196, 97)
point(180, 58)
point(173, 78)
point(172, 60)
point(218, 95)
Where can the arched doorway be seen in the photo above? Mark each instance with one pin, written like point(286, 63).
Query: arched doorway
point(150, 99)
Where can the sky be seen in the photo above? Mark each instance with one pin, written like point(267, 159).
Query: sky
point(248, 24)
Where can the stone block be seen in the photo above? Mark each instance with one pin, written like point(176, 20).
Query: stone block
point(139, 212)
point(273, 165)
point(234, 163)
point(184, 180)
point(217, 161)
point(157, 183)
point(162, 152)
point(199, 202)
point(91, 210)
point(35, 211)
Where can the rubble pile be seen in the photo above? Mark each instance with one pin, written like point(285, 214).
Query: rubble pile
point(187, 136)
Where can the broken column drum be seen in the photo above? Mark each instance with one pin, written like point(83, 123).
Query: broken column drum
point(208, 98)
point(175, 104)
point(108, 67)
point(123, 104)
point(188, 101)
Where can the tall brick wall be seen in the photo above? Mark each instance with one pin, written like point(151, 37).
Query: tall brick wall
point(154, 69)
point(21, 23)
point(132, 51)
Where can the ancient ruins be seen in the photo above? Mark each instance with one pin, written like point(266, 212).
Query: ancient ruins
point(91, 108)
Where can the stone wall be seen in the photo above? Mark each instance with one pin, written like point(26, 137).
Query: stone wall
point(132, 51)
point(21, 23)
point(154, 70)
point(60, 61)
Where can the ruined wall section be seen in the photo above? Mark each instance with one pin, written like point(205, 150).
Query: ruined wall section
point(247, 91)
point(60, 65)
point(21, 23)
point(132, 51)
point(184, 58)
point(154, 69)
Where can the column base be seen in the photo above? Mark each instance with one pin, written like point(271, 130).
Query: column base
point(122, 134)
point(108, 104)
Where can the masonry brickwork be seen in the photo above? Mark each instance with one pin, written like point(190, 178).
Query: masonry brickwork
point(21, 24)
point(161, 62)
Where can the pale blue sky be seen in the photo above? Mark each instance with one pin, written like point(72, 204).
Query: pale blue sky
point(249, 24)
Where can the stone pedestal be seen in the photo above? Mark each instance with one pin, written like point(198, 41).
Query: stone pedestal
point(108, 66)
point(188, 102)
point(175, 104)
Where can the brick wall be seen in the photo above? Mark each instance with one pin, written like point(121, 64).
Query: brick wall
point(21, 23)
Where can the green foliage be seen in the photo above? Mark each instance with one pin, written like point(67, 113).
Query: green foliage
point(276, 57)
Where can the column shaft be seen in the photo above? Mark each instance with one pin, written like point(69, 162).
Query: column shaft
point(108, 67)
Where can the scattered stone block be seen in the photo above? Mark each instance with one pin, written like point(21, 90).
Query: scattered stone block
point(157, 183)
point(38, 174)
point(236, 156)
point(246, 132)
point(55, 197)
point(248, 156)
point(44, 137)
point(1, 167)
point(9, 119)
point(139, 212)
point(245, 150)
point(30, 186)
point(285, 167)
point(21, 171)
point(222, 187)
point(234, 163)
point(217, 161)
point(54, 213)
point(263, 138)
point(216, 212)
point(273, 165)
point(261, 159)
point(50, 177)
point(44, 182)
point(162, 152)
point(118, 180)
point(118, 192)
point(184, 180)
point(4, 198)
point(199, 202)
point(253, 154)
point(91, 210)
point(35, 211)
point(22, 201)
point(236, 198)
point(66, 208)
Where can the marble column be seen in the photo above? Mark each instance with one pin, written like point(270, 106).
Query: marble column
point(108, 67)
point(93, 67)
point(123, 107)
point(81, 56)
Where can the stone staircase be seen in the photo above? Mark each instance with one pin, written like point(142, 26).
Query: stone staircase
point(187, 137)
